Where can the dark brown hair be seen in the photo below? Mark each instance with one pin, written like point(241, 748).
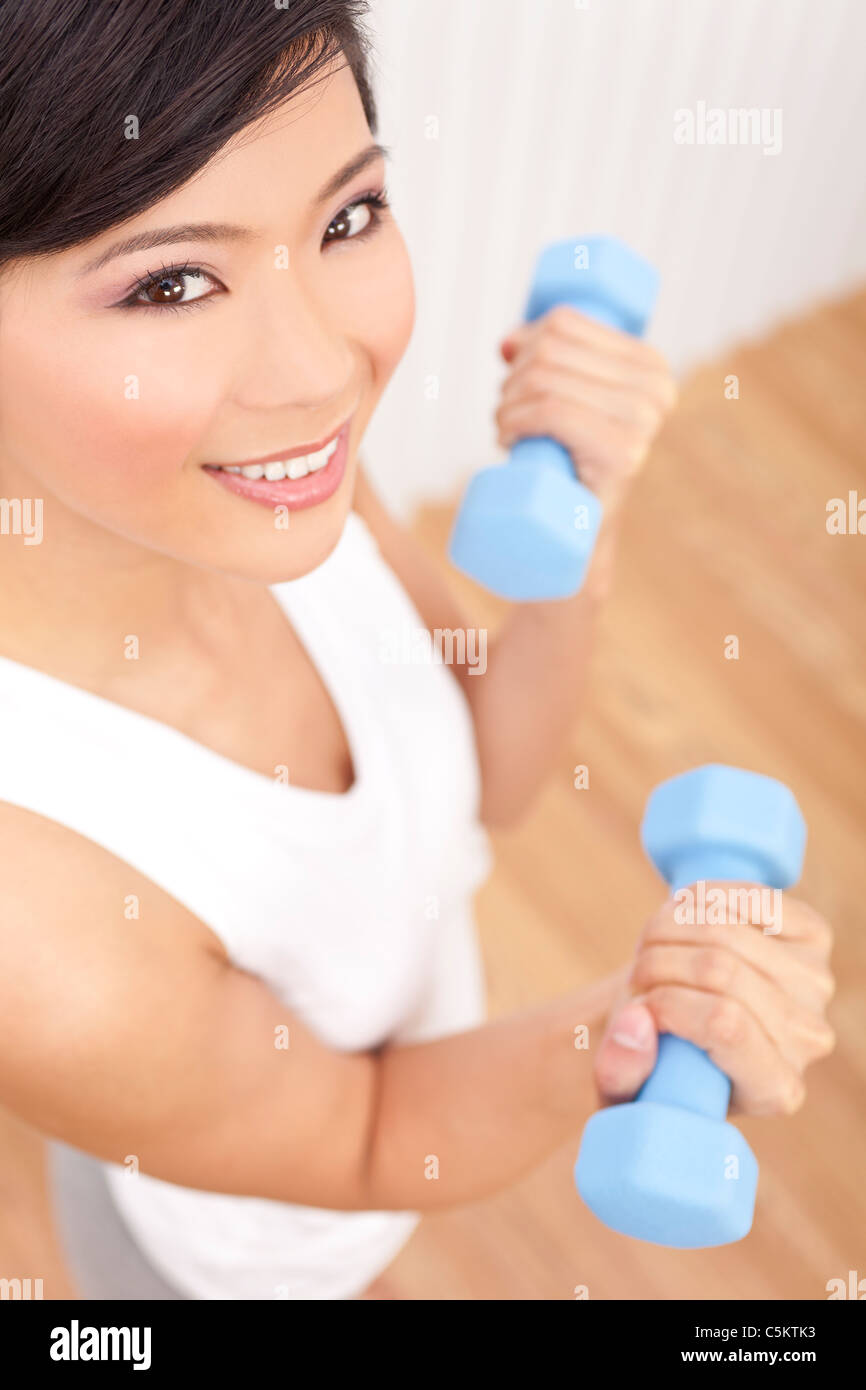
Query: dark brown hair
point(192, 72)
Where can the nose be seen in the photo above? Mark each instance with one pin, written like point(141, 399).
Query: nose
point(294, 354)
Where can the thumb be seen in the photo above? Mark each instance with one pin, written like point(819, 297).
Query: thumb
point(627, 1053)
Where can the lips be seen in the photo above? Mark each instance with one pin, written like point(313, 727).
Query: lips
point(295, 479)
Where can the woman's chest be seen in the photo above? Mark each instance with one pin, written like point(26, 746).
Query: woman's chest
point(273, 713)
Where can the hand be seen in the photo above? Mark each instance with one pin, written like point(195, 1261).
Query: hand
point(755, 1002)
point(600, 393)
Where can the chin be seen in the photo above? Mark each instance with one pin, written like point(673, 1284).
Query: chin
point(281, 555)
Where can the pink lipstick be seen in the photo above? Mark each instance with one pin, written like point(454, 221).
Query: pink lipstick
point(294, 478)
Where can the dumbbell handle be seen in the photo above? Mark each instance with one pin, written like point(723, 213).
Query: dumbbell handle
point(683, 1075)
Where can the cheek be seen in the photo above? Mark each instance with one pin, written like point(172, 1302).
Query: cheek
point(103, 420)
point(382, 304)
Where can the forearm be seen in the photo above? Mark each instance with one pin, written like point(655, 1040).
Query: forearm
point(459, 1118)
point(526, 702)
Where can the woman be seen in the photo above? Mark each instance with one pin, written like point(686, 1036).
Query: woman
point(237, 957)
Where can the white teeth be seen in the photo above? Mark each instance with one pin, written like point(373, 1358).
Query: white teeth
point(319, 460)
point(289, 468)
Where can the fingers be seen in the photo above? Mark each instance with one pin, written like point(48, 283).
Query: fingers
point(754, 1001)
point(572, 325)
point(633, 402)
point(802, 973)
point(601, 393)
point(806, 929)
point(589, 437)
point(532, 358)
point(763, 1081)
point(800, 1034)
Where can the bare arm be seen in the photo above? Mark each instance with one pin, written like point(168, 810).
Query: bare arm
point(488, 1104)
point(140, 1038)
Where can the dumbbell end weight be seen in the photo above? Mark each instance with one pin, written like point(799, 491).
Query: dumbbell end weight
point(600, 275)
point(527, 531)
point(724, 822)
point(667, 1175)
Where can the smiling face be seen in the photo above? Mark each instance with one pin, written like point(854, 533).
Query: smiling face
point(124, 384)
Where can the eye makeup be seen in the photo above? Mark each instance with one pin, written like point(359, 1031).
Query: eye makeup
point(375, 199)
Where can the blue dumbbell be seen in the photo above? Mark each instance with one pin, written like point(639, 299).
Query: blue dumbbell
point(526, 529)
point(667, 1167)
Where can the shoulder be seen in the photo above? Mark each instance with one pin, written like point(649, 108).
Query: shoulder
point(100, 972)
point(62, 892)
point(107, 989)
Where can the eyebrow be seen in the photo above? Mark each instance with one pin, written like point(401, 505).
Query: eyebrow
point(227, 231)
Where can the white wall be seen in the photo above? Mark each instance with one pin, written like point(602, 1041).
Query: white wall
point(556, 119)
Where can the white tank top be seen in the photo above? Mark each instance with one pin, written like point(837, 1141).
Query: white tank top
point(355, 909)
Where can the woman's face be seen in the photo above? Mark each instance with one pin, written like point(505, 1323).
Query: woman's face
point(115, 399)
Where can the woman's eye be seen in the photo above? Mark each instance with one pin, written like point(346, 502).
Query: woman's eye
point(173, 287)
point(358, 220)
point(349, 223)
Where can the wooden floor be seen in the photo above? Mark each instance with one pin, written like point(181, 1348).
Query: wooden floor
point(726, 535)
